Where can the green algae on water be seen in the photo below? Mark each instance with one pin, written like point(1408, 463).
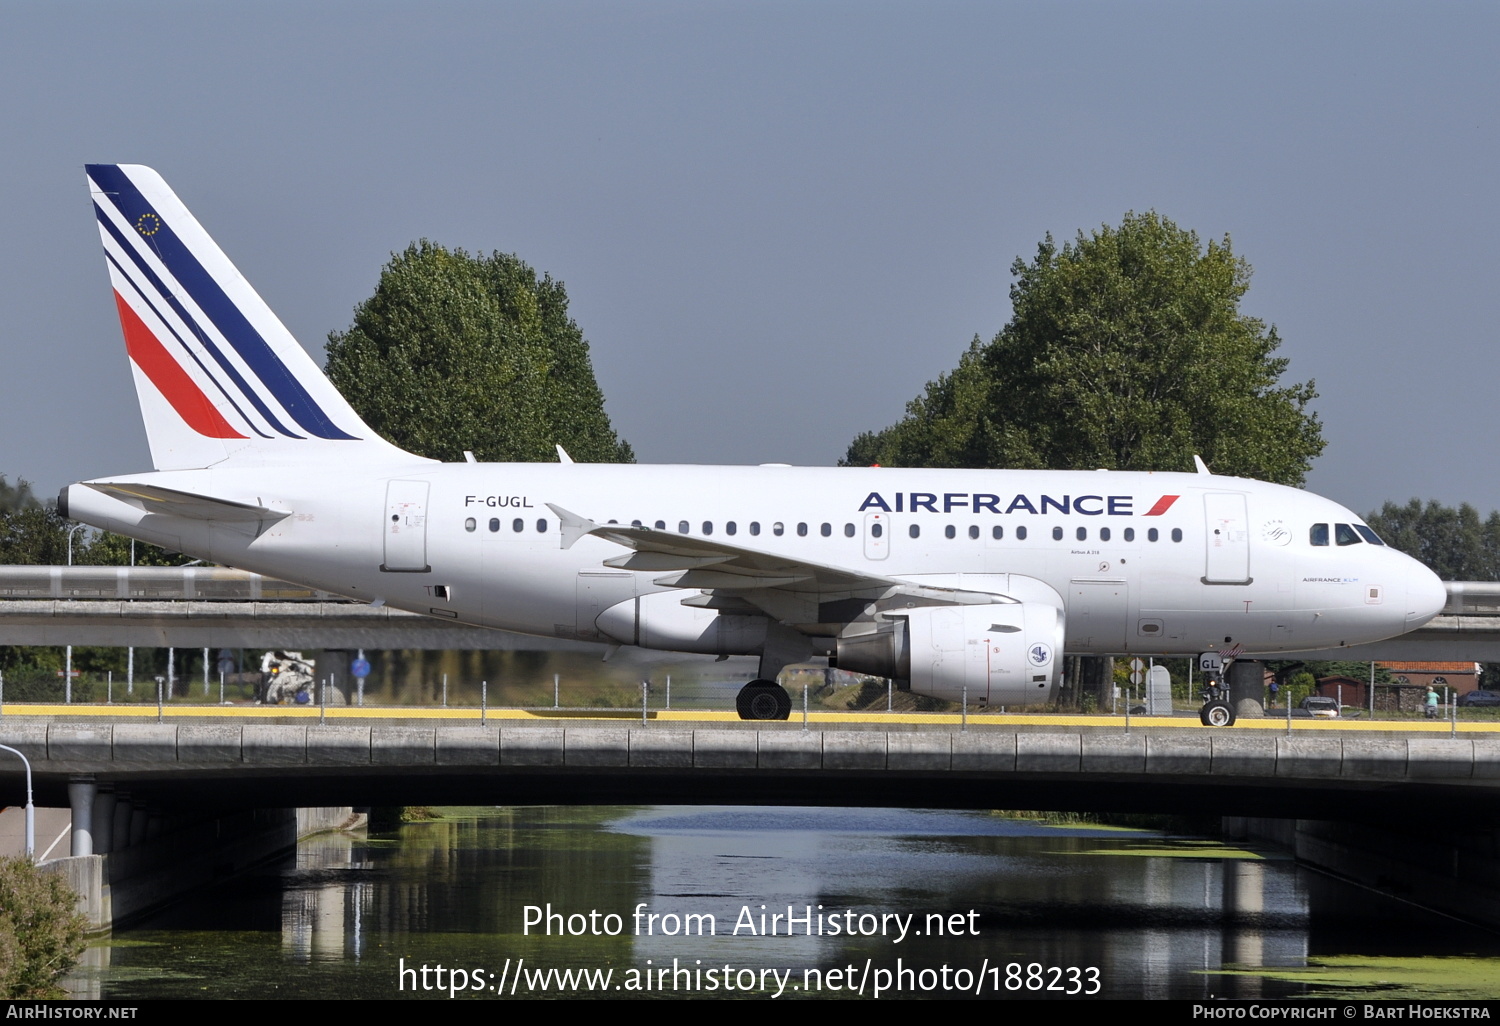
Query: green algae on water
point(1463, 977)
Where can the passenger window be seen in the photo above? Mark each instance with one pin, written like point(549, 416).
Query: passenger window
point(826, 530)
point(661, 525)
point(1057, 534)
point(950, 531)
point(1368, 535)
point(997, 532)
point(877, 530)
point(755, 528)
point(541, 526)
point(801, 530)
point(518, 525)
point(914, 531)
point(1082, 534)
point(1104, 534)
point(1319, 534)
point(1130, 534)
point(708, 527)
point(494, 523)
point(1177, 534)
point(1021, 533)
point(682, 527)
point(778, 529)
point(731, 527)
point(1343, 534)
point(470, 524)
point(1152, 535)
point(973, 531)
point(849, 530)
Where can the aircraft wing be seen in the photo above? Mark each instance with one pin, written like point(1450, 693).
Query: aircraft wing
point(792, 590)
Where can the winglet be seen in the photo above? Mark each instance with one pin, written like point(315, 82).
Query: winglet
point(1202, 467)
point(573, 525)
point(562, 455)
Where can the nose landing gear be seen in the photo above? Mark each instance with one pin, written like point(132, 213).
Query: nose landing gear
point(1216, 711)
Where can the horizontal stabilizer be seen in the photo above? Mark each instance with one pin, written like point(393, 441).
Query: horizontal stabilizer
point(173, 503)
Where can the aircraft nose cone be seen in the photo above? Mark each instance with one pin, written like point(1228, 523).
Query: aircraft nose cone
point(1426, 596)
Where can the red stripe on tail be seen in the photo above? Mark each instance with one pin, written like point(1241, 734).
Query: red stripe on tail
point(169, 378)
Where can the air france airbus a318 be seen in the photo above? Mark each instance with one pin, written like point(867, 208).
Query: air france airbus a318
point(955, 583)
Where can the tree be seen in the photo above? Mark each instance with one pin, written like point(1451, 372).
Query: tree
point(456, 352)
point(41, 931)
point(1126, 350)
point(16, 497)
point(1453, 543)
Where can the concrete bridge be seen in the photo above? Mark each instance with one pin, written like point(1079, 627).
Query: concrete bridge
point(1326, 773)
point(158, 807)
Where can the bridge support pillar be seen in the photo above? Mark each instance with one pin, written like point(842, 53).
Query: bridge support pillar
point(137, 822)
point(1448, 869)
point(81, 792)
point(1247, 688)
point(104, 821)
point(120, 832)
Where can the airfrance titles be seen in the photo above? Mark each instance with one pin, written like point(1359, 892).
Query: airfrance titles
point(984, 502)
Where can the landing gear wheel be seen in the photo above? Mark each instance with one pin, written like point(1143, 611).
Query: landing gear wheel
point(763, 700)
point(1217, 714)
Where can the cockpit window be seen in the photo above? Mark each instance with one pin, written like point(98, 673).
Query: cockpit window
point(1319, 534)
point(1343, 534)
point(1368, 535)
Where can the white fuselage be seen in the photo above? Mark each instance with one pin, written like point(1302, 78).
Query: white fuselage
point(1227, 561)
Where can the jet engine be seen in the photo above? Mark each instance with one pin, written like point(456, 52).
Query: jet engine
point(993, 654)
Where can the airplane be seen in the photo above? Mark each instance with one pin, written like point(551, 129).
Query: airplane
point(960, 584)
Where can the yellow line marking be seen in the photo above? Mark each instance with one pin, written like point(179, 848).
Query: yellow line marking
point(473, 715)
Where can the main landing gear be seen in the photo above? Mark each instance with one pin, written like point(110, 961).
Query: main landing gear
point(763, 700)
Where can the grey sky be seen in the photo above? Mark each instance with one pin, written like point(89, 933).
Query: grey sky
point(776, 222)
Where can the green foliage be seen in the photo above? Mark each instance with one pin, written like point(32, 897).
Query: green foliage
point(33, 535)
point(105, 549)
point(1347, 668)
point(41, 931)
point(1454, 543)
point(17, 496)
point(1126, 351)
point(456, 352)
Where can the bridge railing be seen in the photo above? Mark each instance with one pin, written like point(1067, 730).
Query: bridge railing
point(200, 583)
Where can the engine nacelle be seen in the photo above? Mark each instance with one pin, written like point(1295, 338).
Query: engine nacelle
point(661, 621)
point(1000, 654)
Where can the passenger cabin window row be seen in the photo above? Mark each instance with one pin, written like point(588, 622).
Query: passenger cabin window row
point(1343, 534)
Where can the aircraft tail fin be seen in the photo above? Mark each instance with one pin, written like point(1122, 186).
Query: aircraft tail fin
point(219, 377)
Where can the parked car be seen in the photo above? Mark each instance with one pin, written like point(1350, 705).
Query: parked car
point(1479, 698)
point(1321, 707)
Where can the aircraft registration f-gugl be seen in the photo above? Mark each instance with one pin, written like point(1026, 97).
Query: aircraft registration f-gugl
point(954, 583)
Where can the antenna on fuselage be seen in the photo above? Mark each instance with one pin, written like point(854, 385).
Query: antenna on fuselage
point(1202, 467)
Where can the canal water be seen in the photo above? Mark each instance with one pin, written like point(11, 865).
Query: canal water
point(502, 903)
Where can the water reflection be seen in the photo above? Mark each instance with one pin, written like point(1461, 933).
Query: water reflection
point(921, 890)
